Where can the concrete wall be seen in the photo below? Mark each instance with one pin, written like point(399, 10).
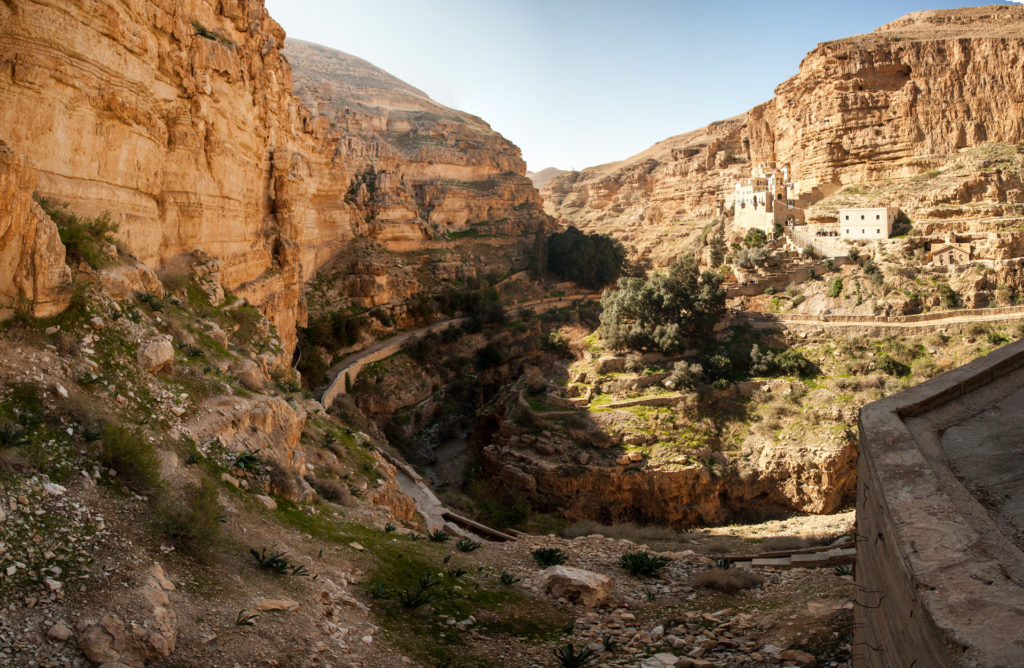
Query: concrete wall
point(939, 580)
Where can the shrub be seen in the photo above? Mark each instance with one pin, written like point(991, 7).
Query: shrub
point(729, 580)
point(889, 365)
point(642, 564)
point(684, 375)
point(438, 536)
point(489, 357)
point(755, 239)
point(835, 288)
point(548, 556)
point(194, 522)
point(84, 238)
point(135, 461)
point(333, 490)
point(508, 579)
point(948, 297)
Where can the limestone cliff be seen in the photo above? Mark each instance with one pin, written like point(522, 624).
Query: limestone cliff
point(412, 167)
point(180, 120)
point(886, 105)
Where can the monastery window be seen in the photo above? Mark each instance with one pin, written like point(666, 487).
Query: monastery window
point(878, 217)
point(862, 216)
point(847, 216)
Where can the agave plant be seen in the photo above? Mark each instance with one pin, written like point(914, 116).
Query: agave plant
point(12, 436)
point(642, 564)
point(548, 556)
point(438, 536)
point(570, 657)
point(467, 545)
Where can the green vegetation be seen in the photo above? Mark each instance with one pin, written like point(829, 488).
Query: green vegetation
point(193, 522)
point(467, 545)
point(667, 312)
point(568, 656)
point(642, 564)
point(84, 238)
point(592, 260)
point(548, 556)
point(135, 460)
point(835, 288)
point(278, 562)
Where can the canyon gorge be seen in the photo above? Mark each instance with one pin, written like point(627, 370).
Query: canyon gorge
point(289, 375)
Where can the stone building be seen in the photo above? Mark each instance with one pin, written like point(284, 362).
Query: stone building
point(950, 253)
point(867, 223)
point(764, 200)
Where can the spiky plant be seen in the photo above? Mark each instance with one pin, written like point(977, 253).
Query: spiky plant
point(508, 579)
point(570, 657)
point(642, 564)
point(548, 556)
point(12, 436)
point(467, 545)
point(438, 536)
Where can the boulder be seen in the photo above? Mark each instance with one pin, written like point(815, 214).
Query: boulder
point(156, 355)
point(575, 584)
point(251, 375)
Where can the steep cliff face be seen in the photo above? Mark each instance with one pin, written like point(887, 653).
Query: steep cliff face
point(883, 106)
point(166, 115)
point(411, 167)
point(180, 120)
point(890, 103)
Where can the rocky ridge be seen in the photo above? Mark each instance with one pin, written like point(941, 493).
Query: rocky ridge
point(875, 108)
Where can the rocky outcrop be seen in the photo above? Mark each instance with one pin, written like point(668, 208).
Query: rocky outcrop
point(411, 166)
point(890, 104)
point(33, 276)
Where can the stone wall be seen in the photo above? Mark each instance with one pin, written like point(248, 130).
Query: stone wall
point(940, 572)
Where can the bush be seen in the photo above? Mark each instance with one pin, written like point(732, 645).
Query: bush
point(684, 375)
point(548, 556)
point(891, 366)
point(489, 357)
point(665, 311)
point(948, 297)
point(135, 461)
point(592, 260)
point(84, 238)
point(568, 656)
point(194, 522)
point(755, 239)
point(729, 580)
point(836, 288)
point(642, 564)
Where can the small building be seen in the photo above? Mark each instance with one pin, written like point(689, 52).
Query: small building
point(950, 253)
point(871, 223)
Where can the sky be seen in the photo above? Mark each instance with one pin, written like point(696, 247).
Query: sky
point(577, 83)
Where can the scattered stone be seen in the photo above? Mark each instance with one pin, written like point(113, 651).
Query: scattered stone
point(266, 501)
point(802, 659)
point(59, 632)
point(575, 584)
point(272, 605)
point(356, 546)
point(157, 355)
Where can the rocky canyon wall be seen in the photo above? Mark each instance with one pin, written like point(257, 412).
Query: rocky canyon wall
point(886, 105)
point(180, 119)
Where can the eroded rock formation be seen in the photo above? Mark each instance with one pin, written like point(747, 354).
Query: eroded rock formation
point(180, 120)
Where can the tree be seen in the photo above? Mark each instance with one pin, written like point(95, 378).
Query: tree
point(755, 238)
point(540, 251)
point(666, 311)
point(592, 260)
point(718, 248)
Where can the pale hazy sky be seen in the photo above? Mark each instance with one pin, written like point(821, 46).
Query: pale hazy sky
point(575, 83)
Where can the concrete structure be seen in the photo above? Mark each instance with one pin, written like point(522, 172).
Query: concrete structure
point(940, 520)
point(764, 199)
point(946, 254)
point(867, 223)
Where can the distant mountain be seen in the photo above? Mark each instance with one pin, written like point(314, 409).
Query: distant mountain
point(544, 176)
